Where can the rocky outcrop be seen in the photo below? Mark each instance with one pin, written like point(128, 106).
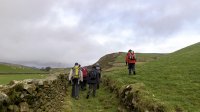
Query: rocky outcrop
point(34, 95)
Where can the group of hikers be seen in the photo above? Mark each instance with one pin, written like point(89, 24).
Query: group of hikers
point(79, 77)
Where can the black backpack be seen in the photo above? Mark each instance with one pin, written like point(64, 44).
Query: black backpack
point(93, 75)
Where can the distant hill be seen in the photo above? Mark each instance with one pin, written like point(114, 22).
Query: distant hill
point(119, 57)
point(7, 68)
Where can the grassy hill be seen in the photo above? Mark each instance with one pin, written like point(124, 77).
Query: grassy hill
point(173, 79)
point(13, 68)
point(10, 72)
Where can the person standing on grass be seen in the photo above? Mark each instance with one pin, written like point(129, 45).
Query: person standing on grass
point(85, 75)
point(98, 68)
point(131, 62)
point(74, 77)
point(93, 80)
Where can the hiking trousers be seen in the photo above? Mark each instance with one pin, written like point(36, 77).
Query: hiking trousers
point(92, 89)
point(131, 68)
point(84, 83)
point(98, 83)
point(75, 88)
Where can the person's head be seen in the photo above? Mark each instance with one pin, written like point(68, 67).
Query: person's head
point(132, 51)
point(76, 64)
point(97, 64)
point(79, 65)
point(129, 50)
point(93, 67)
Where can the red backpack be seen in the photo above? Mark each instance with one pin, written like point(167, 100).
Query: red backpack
point(85, 72)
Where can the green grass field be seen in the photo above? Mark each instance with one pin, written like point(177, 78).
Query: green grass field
point(5, 79)
point(10, 72)
point(172, 78)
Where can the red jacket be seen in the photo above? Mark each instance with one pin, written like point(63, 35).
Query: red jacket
point(131, 60)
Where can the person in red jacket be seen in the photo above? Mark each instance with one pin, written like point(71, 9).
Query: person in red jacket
point(85, 76)
point(131, 62)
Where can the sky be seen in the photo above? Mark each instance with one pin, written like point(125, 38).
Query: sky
point(58, 33)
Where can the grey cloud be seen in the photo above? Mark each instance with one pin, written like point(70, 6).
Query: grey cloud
point(32, 32)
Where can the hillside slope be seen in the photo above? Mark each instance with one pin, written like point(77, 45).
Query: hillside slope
point(13, 68)
point(173, 79)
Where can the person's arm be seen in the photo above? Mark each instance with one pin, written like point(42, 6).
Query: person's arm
point(126, 59)
point(81, 76)
point(98, 78)
point(70, 74)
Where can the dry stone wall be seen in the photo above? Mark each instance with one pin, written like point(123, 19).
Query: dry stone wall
point(34, 95)
point(133, 97)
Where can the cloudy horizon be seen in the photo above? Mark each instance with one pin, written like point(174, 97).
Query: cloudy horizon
point(60, 33)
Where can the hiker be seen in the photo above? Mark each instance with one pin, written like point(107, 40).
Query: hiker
point(85, 74)
point(131, 62)
point(93, 79)
point(126, 58)
point(98, 68)
point(74, 77)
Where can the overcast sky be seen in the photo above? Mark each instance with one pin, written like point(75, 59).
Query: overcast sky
point(59, 33)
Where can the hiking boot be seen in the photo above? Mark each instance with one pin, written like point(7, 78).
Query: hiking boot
point(129, 72)
point(77, 98)
point(87, 97)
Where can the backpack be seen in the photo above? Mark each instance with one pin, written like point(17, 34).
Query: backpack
point(93, 75)
point(131, 56)
point(76, 72)
point(84, 70)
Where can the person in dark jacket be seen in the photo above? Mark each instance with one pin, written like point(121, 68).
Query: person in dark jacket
point(93, 80)
point(98, 68)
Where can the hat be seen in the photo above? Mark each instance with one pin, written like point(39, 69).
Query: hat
point(94, 67)
point(76, 63)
